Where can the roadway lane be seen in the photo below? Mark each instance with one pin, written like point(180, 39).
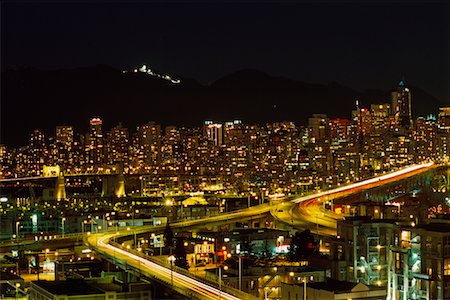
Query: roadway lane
point(308, 209)
point(181, 283)
point(298, 212)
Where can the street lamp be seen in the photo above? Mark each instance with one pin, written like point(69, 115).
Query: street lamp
point(304, 287)
point(171, 260)
point(240, 272)
point(220, 278)
point(62, 226)
point(17, 228)
point(17, 289)
point(82, 227)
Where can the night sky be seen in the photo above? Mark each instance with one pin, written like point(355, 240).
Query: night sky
point(359, 45)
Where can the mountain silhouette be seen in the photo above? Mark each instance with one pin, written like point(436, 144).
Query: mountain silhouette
point(33, 98)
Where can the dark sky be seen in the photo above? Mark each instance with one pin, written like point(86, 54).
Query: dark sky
point(361, 45)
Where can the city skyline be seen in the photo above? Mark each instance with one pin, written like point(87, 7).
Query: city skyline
point(249, 95)
point(244, 149)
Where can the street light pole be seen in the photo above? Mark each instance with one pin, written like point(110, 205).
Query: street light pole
point(171, 259)
point(62, 225)
point(220, 282)
point(240, 272)
point(17, 229)
point(304, 288)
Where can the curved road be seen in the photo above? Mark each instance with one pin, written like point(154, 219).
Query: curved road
point(184, 284)
point(306, 211)
point(303, 211)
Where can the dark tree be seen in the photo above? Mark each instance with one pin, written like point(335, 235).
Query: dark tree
point(266, 252)
point(180, 254)
point(168, 236)
point(302, 245)
point(246, 246)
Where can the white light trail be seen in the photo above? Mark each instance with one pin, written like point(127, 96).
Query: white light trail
point(180, 279)
point(365, 182)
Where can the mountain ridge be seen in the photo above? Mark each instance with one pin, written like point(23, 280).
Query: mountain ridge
point(32, 98)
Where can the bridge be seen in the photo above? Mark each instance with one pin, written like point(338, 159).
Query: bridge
point(297, 212)
point(113, 183)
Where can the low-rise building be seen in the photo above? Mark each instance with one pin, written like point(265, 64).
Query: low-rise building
point(331, 290)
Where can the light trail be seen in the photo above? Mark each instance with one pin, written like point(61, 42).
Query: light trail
point(210, 292)
point(378, 179)
point(163, 272)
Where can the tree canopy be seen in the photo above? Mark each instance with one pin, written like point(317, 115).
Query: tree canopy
point(180, 254)
point(302, 245)
point(168, 236)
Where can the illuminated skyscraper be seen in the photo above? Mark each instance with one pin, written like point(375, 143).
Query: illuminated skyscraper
point(443, 133)
point(149, 135)
point(118, 140)
point(64, 135)
point(36, 157)
point(320, 139)
point(380, 117)
point(401, 108)
point(95, 143)
point(214, 132)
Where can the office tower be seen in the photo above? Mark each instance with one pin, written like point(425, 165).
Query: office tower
point(149, 135)
point(380, 117)
point(443, 133)
point(444, 118)
point(118, 141)
point(95, 141)
point(425, 139)
point(61, 150)
point(214, 132)
point(320, 140)
point(36, 157)
point(64, 135)
point(338, 129)
point(401, 108)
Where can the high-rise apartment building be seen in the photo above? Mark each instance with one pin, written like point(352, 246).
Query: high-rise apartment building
point(401, 108)
point(36, 156)
point(214, 132)
point(64, 135)
point(320, 141)
point(149, 135)
point(380, 117)
point(94, 146)
point(118, 141)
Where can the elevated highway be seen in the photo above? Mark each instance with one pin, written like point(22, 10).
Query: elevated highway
point(306, 211)
point(303, 211)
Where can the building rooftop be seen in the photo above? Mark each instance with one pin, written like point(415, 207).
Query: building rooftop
point(436, 227)
point(338, 286)
point(333, 285)
point(68, 287)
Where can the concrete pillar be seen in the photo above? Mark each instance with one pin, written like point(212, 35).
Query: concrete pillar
point(60, 188)
point(108, 186)
point(119, 189)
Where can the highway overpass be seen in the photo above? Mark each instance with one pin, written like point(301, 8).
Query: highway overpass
point(297, 212)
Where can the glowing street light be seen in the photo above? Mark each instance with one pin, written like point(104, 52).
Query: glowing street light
point(17, 228)
point(220, 278)
point(171, 260)
point(63, 220)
